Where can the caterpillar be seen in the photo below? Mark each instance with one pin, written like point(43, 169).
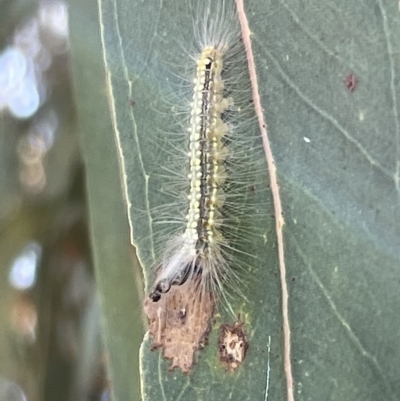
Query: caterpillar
point(199, 266)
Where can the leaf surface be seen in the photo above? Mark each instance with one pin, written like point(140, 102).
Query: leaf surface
point(328, 75)
point(117, 271)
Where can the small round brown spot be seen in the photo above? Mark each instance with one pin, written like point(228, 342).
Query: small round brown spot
point(232, 345)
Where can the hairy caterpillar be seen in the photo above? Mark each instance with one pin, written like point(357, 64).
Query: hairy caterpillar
point(198, 249)
point(200, 262)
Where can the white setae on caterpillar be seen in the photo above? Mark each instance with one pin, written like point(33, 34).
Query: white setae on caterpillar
point(199, 262)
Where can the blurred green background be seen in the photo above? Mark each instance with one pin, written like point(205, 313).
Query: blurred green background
point(51, 342)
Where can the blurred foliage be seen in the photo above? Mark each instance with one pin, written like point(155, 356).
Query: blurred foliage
point(51, 347)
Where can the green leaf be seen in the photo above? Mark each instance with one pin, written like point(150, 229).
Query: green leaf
point(337, 157)
point(117, 271)
point(137, 49)
point(340, 190)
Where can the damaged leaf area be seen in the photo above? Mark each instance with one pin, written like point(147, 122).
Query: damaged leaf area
point(180, 322)
point(232, 345)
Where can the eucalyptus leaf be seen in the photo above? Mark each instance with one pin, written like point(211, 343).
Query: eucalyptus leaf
point(329, 77)
point(140, 65)
point(116, 267)
point(337, 153)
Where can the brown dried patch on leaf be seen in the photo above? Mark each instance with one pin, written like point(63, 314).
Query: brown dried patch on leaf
point(180, 322)
point(232, 345)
